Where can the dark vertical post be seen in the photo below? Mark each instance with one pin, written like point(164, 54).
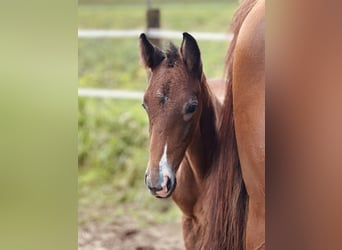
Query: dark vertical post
point(153, 21)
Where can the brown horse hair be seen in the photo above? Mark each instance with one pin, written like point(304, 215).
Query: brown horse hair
point(208, 117)
point(227, 198)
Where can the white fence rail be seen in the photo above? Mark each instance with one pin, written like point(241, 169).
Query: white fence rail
point(152, 33)
point(110, 93)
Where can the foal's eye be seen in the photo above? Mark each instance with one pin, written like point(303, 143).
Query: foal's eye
point(191, 107)
point(143, 105)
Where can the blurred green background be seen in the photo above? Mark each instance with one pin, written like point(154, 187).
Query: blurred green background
point(113, 133)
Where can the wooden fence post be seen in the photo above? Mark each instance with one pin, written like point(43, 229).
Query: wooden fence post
point(153, 21)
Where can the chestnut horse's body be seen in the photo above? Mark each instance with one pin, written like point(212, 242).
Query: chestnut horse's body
point(249, 118)
point(236, 195)
point(216, 154)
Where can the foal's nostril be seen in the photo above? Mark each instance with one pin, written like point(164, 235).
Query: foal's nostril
point(163, 188)
point(149, 185)
point(168, 184)
point(155, 189)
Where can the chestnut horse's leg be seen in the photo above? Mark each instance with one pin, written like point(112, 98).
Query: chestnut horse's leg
point(249, 118)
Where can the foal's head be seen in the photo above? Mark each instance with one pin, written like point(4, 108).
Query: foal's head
point(173, 107)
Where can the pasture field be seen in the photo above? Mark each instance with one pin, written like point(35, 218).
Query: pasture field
point(113, 134)
point(194, 16)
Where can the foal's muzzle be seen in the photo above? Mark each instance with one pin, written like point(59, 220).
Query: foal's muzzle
point(163, 188)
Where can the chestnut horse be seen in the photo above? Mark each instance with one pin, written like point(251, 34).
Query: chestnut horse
point(236, 194)
point(220, 172)
point(184, 117)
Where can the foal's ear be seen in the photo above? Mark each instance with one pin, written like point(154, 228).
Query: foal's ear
point(191, 54)
point(150, 54)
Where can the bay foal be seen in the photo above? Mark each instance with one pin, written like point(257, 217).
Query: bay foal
point(183, 116)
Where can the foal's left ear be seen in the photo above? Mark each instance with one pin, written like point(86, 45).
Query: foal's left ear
point(151, 55)
point(191, 55)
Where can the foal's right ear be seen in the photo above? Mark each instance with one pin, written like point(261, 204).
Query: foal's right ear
point(150, 54)
point(191, 54)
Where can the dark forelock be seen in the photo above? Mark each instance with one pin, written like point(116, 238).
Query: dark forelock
point(172, 55)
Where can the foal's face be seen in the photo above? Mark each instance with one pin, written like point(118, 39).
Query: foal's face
point(173, 108)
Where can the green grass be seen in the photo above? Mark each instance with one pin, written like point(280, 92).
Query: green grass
point(108, 63)
point(113, 154)
point(113, 134)
point(105, 135)
point(209, 16)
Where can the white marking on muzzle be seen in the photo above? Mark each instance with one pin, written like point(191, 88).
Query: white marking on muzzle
point(163, 159)
point(165, 173)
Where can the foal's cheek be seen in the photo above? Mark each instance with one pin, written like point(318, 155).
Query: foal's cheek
point(186, 131)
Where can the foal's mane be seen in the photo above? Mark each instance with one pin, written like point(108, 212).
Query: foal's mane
point(227, 198)
point(208, 119)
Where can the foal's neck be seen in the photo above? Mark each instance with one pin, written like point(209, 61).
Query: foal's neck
point(198, 157)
